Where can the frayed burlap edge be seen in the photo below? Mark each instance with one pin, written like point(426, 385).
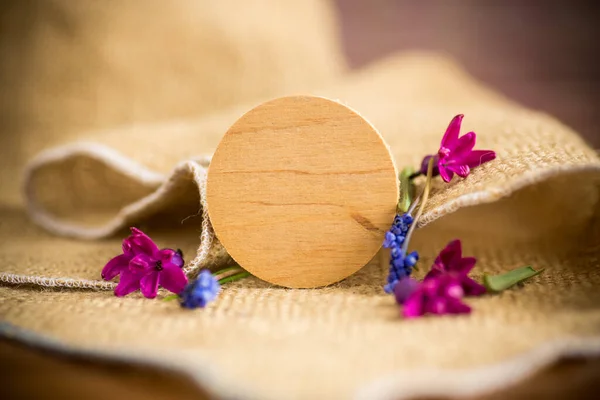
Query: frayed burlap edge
point(476, 381)
point(398, 385)
point(113, 159)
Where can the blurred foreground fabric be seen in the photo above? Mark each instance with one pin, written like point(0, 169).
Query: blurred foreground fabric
point(137, 155)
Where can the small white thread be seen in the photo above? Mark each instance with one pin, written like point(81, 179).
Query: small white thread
point(206, 234)
point(56, 282)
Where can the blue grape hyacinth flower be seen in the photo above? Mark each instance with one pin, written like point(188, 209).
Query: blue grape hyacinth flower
point(401, 265)
point(200, 292)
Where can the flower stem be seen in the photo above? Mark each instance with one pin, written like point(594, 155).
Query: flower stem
point(170, 297)
point(234, 278)
point(221, 271)
point(423, 201)
point(414, 204)
point(226, 272)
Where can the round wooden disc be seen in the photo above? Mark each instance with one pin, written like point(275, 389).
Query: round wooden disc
point(301, 191)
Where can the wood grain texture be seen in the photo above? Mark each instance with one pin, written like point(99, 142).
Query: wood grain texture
point(301, 191)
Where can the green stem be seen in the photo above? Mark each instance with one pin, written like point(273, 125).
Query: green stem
point(234, 278)
point(424, 198)
point(227, 272)
point(406, 189)
point(170, 297)
point(227, 269)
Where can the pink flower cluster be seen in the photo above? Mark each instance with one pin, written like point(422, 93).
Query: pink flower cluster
point(443, 288)
point(143, 266)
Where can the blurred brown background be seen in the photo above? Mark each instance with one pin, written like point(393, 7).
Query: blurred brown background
point(541, 53)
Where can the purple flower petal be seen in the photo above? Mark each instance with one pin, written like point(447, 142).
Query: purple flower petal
point(452, 132)
point(434, 272)
point(456, 154)
point(431, 286)
point(414, 305)
point(449, 255)
point(438, 295)
point(172, 256)
point(173, 278)
point(460, 170)
point(453, 290)
point(143, 266)
point(478, 157)
point(425, 164)
point(451, 265)
point(128, 283)
point(115, 266)
point(437, 305)
point(127, 249)
point(465, 265)
point(445, 173)
point(404, 288)
point(455, 306)
point(149, 284)
point(471, 287)
point(177, 259)
point(139, 242)
point(464, 145)
point(141, 263)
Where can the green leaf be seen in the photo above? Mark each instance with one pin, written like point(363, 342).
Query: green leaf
point(234, 278)
point(498, 283)
point(224, 270)
point(407, 189)
point(170, 297)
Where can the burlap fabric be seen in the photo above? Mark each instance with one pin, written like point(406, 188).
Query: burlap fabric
point(69, 67)
point(536, 204)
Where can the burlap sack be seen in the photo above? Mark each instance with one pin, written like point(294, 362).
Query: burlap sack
point(536, 204)
point(71, 66)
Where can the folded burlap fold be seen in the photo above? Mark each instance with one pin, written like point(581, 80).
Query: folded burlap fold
point(67, 68)
point(536, 204)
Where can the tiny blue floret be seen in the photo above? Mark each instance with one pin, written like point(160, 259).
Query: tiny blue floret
point(200, 292)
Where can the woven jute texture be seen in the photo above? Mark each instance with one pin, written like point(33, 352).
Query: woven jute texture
point(68, 67)
point(536, 204)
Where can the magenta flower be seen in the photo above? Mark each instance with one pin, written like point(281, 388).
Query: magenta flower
point(443, 288)
point(451, 262)
point(456, 154)
point(143, 266)
point(438, 295)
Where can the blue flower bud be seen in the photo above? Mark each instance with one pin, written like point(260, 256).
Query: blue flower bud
point(389, 240)
point(201, 291)
point(389, 288)
point(407, 219)
point(398, 263)
point(397, 220)
point(411, 259)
